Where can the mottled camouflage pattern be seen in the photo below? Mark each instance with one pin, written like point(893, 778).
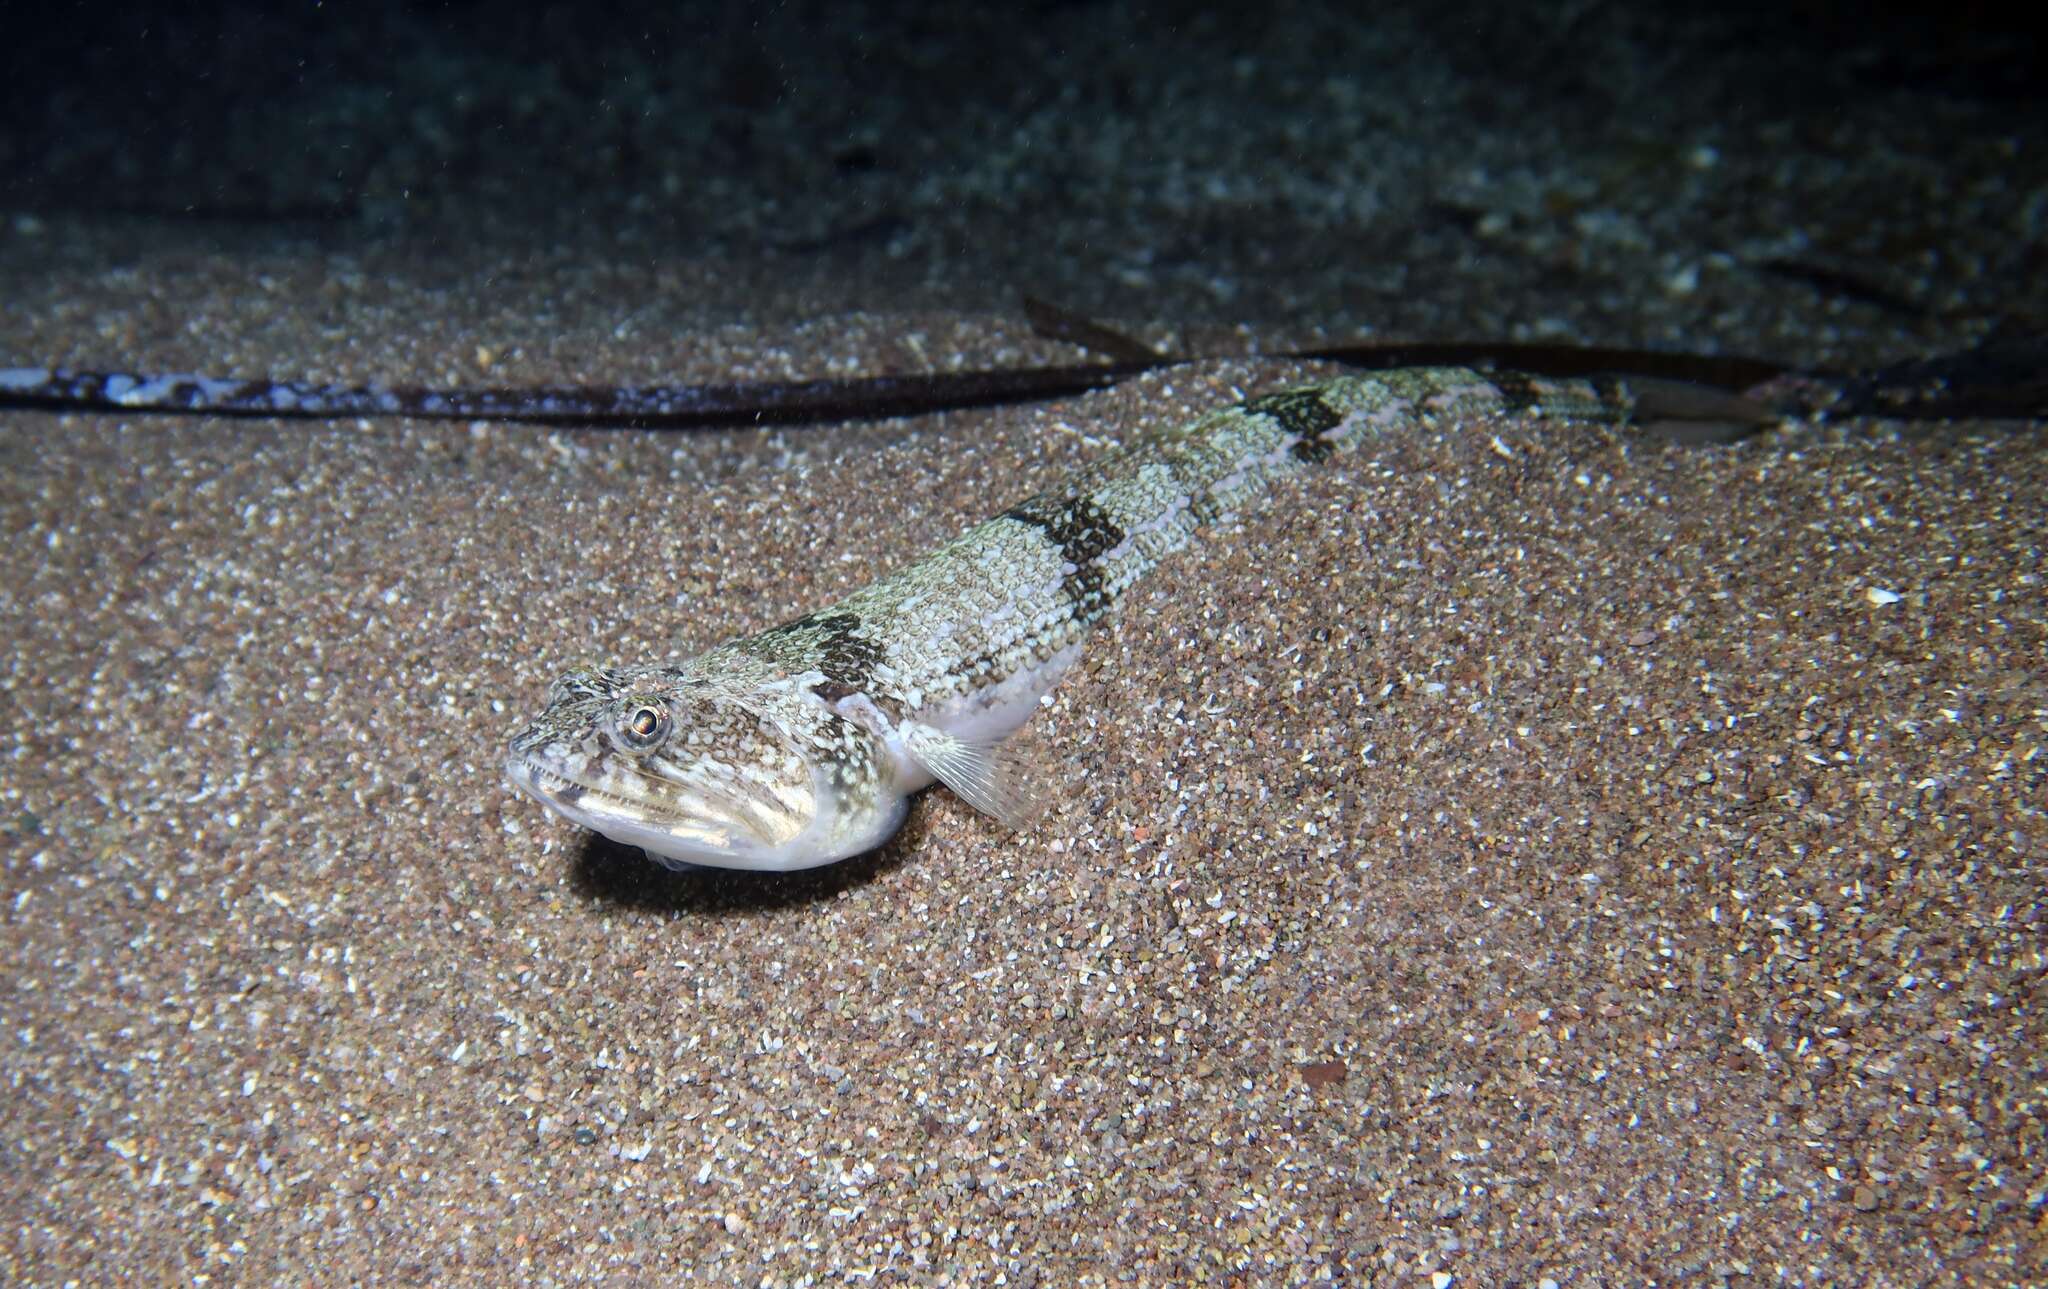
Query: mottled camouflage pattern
point(797, 746)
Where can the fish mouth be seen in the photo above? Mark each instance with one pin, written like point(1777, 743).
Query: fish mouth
point(632, 821)
point(738, 836)
point(567, 795)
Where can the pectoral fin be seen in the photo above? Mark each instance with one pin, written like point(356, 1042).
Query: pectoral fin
point(995, 778)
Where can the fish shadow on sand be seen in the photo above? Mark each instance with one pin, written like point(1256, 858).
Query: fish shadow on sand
point(607, 872)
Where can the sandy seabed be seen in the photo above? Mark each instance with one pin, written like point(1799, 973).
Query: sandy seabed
point(1520, 855)
point(1522, 851)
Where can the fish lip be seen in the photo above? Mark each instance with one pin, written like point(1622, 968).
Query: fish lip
point(565, 793)
point(664, 840)
point(623, 820)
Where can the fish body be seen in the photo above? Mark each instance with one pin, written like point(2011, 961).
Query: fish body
point(800, 745)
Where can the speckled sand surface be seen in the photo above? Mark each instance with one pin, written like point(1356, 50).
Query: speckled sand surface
point(1548, 861)
point(1560, 859)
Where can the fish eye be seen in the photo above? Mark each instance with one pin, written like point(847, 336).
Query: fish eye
point(642, 725)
